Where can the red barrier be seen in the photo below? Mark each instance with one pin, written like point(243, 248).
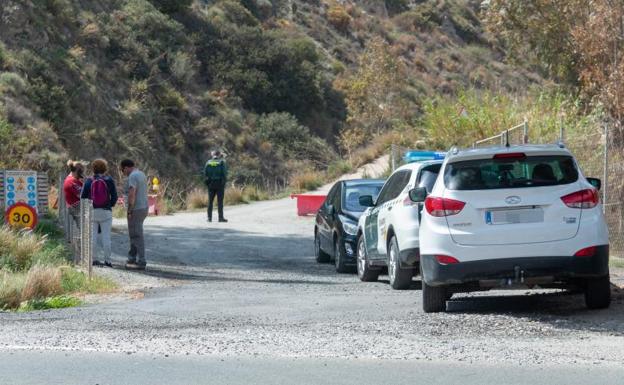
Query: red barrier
point(152, 204)
point(308, 204)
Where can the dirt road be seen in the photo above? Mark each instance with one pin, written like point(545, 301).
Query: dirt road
point(251, 288)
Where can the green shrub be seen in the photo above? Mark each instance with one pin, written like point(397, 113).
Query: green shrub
point(292, 140)
point(12, 82)
point(172, 6)
point(57, 302)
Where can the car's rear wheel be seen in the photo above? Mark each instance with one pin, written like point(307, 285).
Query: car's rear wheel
point(339, 258)
point(400, 279)
point(434, 297)
point(321, 256)
point(598, 293)
point(365, 273)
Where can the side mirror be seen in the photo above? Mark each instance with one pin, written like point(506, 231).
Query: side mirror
point(418, 194)
point(597, 183)
point(366, 201)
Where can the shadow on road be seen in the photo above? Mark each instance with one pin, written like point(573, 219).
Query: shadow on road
point(195, 254)
point(562, 310)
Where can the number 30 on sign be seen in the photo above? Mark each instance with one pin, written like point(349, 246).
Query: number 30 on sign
point(21, 216)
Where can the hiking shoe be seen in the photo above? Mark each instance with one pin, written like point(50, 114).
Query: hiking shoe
point(134, 266)
point(209, 219)
point(223, 220)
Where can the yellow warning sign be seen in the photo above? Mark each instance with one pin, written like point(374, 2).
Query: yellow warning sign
point(21, 216)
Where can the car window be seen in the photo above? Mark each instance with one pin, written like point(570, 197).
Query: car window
point(337, 194)
point(351, 196)
point(330, 196)
point(394, 186)
point(530, 171)
point(428, 177)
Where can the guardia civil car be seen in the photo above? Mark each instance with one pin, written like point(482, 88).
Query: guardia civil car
point(388, 231)
point(512, 215)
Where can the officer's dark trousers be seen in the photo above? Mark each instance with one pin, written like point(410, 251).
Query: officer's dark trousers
point(212, 193)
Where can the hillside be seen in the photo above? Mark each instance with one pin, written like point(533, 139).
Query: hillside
point(274, 83)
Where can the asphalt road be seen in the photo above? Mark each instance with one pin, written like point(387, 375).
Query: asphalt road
point(245, 302)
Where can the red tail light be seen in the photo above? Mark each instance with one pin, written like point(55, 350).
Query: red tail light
point(510, 156)
point(586, 252)
point(446, 259)
point(584, 199)
point(442, 207)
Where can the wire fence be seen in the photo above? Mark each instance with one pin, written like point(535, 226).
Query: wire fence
point(77, 224)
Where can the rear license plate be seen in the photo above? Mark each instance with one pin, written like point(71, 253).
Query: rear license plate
point(505, 216)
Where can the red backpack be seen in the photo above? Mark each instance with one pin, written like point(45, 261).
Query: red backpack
point(99, 193)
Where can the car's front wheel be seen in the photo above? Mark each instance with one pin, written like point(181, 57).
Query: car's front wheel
point(365, 273)
point(400, 279)
point(598, 293)
point(321, 256)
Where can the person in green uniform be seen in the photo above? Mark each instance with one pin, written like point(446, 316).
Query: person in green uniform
point(215, 174)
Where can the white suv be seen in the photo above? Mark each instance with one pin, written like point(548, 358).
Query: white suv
point(388, 229)
point(506, 216)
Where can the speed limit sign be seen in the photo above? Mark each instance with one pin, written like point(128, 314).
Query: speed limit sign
point(21, 216)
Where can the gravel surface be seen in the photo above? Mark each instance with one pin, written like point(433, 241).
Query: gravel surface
point(251, 287)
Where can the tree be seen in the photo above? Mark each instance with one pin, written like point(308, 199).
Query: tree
point(371, 92)
point(579, 42)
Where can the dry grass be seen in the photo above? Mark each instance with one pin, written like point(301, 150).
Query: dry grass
point(18, 248)
point(11, 286)
point(307, 181)
point(197, 199)
point(234, 196)
point(42, 282)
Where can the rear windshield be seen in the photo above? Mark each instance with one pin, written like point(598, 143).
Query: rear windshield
point(532, 171)
point(351, 198)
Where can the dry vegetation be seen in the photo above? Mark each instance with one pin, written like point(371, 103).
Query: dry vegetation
point(275, 84)
point(35, 271)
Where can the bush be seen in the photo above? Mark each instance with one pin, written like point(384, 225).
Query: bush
point(58, 302)
point(307, 181)
point(42, 282)
point(234, 196)
point(197, 199)
point(12, 82)
point(11, 286)
point(339, 18)
point(293, 141)
point(172, 6)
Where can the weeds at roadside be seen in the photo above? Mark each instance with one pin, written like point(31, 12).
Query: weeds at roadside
point(35, 269)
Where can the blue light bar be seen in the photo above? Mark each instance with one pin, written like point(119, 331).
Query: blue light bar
point(420, 156)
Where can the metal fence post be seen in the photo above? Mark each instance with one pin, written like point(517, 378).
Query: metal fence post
point(525, 131)
point(86, 234)
point(605, 166)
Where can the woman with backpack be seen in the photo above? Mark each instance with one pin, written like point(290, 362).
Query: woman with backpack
point(102, 191)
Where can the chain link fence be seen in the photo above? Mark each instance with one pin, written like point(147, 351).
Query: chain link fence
point(77, 225)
